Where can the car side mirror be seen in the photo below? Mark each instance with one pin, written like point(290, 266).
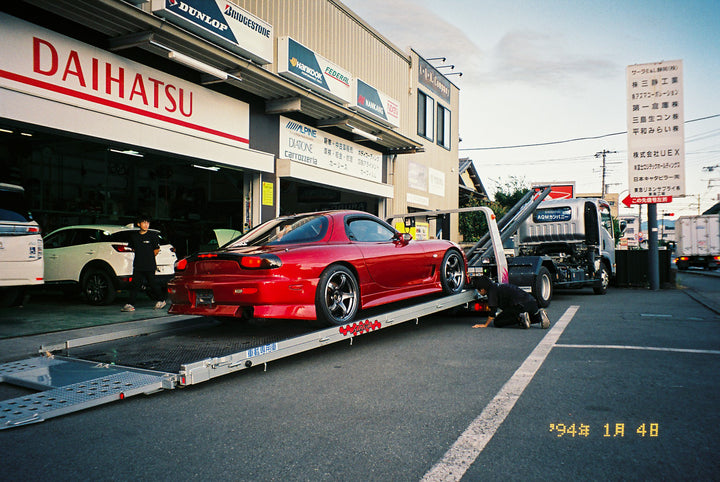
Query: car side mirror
point(402, 238)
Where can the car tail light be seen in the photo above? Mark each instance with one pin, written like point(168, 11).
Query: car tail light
point(122, 248)
point(717, 258)
point(207, 255)
point(682, 258)
point(33, 230)
point(181, 265)
point(260, 262)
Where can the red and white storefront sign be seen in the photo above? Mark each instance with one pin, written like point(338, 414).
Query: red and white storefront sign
point(55, 81)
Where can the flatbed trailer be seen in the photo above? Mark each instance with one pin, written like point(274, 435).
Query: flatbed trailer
point(87, 372)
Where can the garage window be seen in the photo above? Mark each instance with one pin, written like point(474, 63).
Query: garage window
point(443, 127)
point(425, 115)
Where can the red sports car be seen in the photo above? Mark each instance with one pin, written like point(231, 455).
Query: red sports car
point(323, 266)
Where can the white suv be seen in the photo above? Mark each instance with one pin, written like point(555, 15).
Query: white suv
point(21, 247)
point(99, 260)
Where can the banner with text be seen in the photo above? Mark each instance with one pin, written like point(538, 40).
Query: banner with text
point(656, 136)
point(308, 145)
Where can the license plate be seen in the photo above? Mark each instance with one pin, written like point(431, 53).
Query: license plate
point(204, 297)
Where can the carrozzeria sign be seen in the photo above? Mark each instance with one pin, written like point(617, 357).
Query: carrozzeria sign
point(55, 81)
point(299, 63)
point(308, 145)
point(222, 22)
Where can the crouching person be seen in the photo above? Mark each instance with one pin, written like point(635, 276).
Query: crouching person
point(509, 305)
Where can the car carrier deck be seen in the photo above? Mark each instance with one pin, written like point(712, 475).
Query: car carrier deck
point(87, 372)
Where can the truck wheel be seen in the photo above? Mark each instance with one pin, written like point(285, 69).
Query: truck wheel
point(452, 272)
point(98, 288)
point(542, 288)
point(337, 298)
point(604, 276)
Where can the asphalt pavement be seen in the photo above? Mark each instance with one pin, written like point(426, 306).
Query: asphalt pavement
point(621, 387)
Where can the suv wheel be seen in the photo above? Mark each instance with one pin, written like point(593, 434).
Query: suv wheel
point(98, 287)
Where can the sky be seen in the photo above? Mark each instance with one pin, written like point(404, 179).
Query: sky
point(544, 72)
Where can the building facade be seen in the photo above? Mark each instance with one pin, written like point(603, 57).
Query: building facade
point(207, 113)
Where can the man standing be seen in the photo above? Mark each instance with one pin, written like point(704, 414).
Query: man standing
point(146, 245)
point(517, 306)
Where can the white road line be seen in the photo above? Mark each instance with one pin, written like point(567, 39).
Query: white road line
point(649, 348)
point(473, 440)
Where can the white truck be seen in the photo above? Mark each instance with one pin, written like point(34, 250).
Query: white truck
point(698, 241)
point(559, 243)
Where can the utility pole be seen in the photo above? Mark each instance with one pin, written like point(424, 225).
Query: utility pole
point(603, 153)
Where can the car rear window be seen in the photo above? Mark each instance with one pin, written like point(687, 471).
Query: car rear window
point(296, 229)
point(13, 207)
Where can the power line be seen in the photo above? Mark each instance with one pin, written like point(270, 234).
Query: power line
point(589, 138)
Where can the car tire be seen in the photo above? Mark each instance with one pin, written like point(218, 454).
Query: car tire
point(542, 288)
point(452, 272)
point(337, 298)
point(98, 287)
point(604, 276)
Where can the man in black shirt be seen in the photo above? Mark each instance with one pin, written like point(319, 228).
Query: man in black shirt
point(146, 245)
point(517, 306)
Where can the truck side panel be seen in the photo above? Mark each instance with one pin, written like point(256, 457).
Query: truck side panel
point(698, 235)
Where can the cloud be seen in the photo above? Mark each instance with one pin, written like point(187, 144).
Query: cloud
point(543, 59)
point(419, 28)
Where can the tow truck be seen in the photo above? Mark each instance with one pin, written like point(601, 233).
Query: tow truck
point(186, 350)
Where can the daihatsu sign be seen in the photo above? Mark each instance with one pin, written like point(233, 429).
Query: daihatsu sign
point(221, 22)
point(56, 81)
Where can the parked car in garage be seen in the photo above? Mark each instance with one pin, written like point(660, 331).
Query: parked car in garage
point(325, 266)
point(21, 246)
point(98, 260)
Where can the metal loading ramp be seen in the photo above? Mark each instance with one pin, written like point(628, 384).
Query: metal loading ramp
point(99, 370)
point(68, 386)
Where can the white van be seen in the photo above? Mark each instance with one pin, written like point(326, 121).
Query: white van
point(21, 246)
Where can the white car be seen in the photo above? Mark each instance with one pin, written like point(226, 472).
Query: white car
point(21, 246)
point(97, 258)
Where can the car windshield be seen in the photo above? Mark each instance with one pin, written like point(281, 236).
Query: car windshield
point(296, 229)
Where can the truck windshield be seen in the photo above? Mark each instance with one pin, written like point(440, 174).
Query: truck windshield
point(607, 221)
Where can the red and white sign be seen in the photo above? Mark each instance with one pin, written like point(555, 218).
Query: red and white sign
point(45, 65)
point(630, 200)
point(558, 190)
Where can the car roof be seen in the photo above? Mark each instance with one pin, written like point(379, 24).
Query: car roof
point(112, 228)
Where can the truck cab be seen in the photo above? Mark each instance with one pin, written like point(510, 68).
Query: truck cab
point(566, 243)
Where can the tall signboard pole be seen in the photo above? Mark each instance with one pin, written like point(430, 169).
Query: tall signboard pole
point(656, 143)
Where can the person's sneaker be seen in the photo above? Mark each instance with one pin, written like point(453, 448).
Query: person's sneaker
point(545, 320)
point(128, 307)
point(160, 305)
point(525, 320)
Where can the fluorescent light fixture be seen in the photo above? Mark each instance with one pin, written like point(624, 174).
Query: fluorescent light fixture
point(26, 134)
point(197, 65)
point(207, 168)
point(8, 131)
point(362, 133)
point(128, 152)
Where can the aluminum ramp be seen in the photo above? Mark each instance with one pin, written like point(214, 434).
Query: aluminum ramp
point(68, 386)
